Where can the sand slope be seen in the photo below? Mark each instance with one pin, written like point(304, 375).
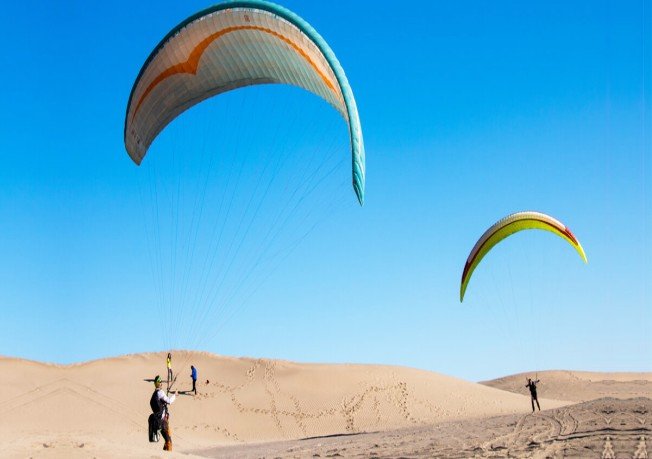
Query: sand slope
point(579, 386)
point(603, 428)
point(100, 408)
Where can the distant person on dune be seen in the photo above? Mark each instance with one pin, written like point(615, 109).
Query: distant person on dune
point(532, 385)
point(168, 363)
point(193, 375)
point(160, 417)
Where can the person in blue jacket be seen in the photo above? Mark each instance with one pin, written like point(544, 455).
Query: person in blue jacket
point(193, 375)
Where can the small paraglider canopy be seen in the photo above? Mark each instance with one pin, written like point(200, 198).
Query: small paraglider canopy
point(229, 46)
point(506, 227)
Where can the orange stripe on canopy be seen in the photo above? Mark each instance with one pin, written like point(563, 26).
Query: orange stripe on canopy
point(192, 63)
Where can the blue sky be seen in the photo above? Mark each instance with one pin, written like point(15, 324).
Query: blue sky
point(470, 111)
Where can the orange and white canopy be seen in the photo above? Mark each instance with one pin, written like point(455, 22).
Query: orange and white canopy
point(232, 45)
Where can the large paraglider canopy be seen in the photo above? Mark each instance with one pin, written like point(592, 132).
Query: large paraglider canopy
point(506, 227)
point(232, 45)
point(232, 186)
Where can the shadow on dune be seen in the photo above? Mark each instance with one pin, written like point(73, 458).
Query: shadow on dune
point(339, 435)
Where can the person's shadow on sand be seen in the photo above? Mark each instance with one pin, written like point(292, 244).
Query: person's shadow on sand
point(151, 380)
point(181, 392)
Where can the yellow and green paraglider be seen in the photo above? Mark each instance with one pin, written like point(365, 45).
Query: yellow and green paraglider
point(506, 227)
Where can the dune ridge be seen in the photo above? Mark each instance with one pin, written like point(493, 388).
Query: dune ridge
point(579, 386)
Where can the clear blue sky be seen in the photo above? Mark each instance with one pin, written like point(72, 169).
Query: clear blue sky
point(470, 111)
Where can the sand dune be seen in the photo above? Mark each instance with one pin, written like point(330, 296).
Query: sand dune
point(102, 405)
point(579, 386)
point(100, 408)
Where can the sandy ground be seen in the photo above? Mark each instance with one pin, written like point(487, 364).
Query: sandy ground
point(603, 428)
point(100, 408)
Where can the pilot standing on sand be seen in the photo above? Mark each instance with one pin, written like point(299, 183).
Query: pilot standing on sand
point(532, 385)
point(159, 404)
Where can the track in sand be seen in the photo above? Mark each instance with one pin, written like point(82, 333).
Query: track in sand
point(603, 428)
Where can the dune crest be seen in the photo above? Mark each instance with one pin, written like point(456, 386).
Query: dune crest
point(579, 386)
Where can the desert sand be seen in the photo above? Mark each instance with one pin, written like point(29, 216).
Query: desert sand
point(603, 428)
point(579, 386)
point(269, 408)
